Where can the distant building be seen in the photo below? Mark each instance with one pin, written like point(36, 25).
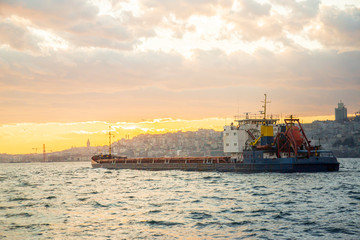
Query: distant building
point(357, 117)
point(340, 113)
point(88, 143)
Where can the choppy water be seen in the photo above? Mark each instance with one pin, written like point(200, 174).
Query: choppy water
point(74, 201)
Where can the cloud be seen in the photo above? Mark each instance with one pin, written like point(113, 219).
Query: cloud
point(50, 14)
point(149, 59)
point(82, 27)
point(300, 9)
point(103, 85)
point(254, 9)
point(124, 26)
point(18, 37)
point(185, 9)
point(339, 29)
point(272, 20)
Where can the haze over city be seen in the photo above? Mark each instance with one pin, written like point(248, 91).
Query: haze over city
point(69, 69)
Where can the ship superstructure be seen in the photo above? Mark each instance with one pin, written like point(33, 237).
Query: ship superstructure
point(247, 134)
point(251, 132)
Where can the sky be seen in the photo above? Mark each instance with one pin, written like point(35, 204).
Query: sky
point(69, 69)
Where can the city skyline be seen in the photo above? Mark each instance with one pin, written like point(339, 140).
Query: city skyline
point(70, 69)
point(62, 136)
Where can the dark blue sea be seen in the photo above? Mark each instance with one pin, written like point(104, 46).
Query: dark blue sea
point(75, 201)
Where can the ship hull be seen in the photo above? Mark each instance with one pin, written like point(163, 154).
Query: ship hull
point(284, 165)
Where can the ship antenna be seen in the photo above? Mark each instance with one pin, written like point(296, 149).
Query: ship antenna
point(265, 107)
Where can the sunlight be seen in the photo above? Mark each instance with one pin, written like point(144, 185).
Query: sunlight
point(305, 42)
point(50, 41)
point(210, 33)
point(24, 137)
point(128, 127)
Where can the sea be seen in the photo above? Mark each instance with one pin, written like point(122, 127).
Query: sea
point(72, 200)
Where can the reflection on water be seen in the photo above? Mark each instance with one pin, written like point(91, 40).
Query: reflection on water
point(72, 200)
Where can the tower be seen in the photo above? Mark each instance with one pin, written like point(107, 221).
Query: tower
point(340, 113)
point(88, 143)
point(44, 153)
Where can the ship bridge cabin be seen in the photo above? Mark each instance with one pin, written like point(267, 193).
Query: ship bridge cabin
point(247, 133)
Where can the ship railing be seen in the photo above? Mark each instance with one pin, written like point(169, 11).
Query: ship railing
point(167, 160)
point(318, 153)
point(256, 116)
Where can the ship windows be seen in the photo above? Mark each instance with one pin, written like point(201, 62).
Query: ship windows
point(234, 133)
point(227, 144)
point(235, 144)
point(227, 134)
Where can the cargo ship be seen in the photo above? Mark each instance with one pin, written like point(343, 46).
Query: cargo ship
point(251, 144)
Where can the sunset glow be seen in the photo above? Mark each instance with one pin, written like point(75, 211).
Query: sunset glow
point(71, 69)
point(61, 136)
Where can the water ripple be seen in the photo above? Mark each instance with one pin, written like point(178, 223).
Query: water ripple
point(75, 201)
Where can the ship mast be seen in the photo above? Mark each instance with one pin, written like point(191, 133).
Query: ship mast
point(265, 107)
